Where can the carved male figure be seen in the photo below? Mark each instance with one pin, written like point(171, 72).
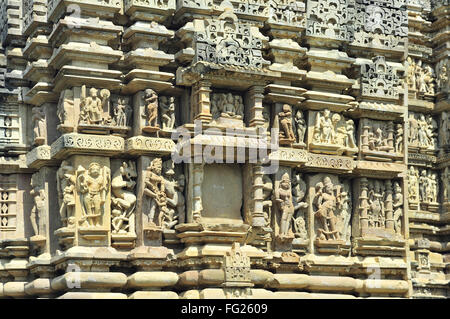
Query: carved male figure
point(325, 202)
point(155, 189)
point(92, 107)
point(93, 186)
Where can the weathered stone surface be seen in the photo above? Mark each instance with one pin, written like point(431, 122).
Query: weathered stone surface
point(224, 149)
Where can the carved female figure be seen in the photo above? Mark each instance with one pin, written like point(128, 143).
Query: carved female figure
point(399, 138)
point(119, 113)
point(38, 120)
point(124, 199)
point(300, 124)
point(37, 212)
point(151, 108)
point(283, 196)
point(413, 186)
point(422, 132)
point(397, 206)
point(285, 118)
point(66, 180)
point(167, 106)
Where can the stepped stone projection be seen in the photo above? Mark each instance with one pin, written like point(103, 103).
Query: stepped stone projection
point(113, 115)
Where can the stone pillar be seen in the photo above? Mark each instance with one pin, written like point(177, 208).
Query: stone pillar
point(200, 101)
point(389, 207)
point(363, 218)
point(197, 207)
point(258, 197)
point(365, 135)
point(256, 108)
point(390, 138)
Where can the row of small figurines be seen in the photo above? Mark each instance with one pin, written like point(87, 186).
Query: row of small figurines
point(423, 185)
point(331, 204)
point(163, 188)
point(330, 128)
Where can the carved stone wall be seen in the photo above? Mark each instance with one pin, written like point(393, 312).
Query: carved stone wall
point(224, 149)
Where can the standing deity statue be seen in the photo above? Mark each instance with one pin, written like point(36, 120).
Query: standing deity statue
point(283, 197)
point(413, 129)
point(123, 200)
point(93, 186)
point(298, 194)
point(325, 201)
point(285, 118)
point(151, 108)
point(442, 78)
point(181, 200)
point(399, 138)
point(38, 120)
point(377, 210)
point(170, 217)
point(167, 107)
point(444, 129)
point(120, 116)
point(423, 131)
point(38, 210)
point(423, 186)
point(411, 78)
point(267, 199)
point(413, 185)
point(66, 185)
point(323, 128)
point(398, 208)
point(91, 107)
point(300, 125)
point(239, 106)
point(429, 80)
point(156, 191)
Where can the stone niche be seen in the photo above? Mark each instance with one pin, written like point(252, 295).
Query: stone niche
point(222, 194)
point(330, 208)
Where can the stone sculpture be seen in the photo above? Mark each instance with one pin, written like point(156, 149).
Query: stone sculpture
point(92, 106)
point(155, 190)
point(285, 117)
point(66, 185)
point(93, 187)
point(283, 198)
point(333, 134)
point(37, 212)
point(167, 111)
point(151, 108)
point(298, 195)
point(123, 199)
point(38, 120)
